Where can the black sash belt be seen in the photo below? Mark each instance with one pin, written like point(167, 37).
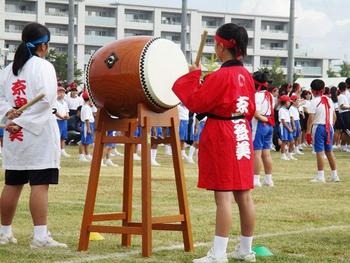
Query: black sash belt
point(201, 116)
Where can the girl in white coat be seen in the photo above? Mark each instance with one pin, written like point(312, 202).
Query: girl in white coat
point(31, 151)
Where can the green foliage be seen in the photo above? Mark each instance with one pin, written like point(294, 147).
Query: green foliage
point(276, 74)
point(59, 61)
point(344, 70)
point(331, 73)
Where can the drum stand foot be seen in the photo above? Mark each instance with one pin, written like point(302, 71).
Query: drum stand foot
point(180, 222)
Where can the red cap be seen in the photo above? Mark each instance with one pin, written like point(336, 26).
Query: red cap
point(85, 95)
point(73, 86)
point(294, 98)
point(284, 98)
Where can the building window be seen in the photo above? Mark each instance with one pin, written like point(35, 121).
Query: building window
point(132, 32)
point(246, 23)
point(59, 48)
point(20, 7)
point(173, 36)
point(100, 12)
point(212, 22)
point(138, 16)
point(99, 31)
point(14, 26)
point(12, 45)
point(56, 9)
point(210, 41)
point(58, 30)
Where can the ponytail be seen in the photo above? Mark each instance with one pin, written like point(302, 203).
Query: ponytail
point(22, 55)
point(33, 35)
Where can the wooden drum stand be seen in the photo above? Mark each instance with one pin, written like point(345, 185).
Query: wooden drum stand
point(181, 222)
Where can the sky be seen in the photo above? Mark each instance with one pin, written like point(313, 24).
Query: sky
point(322, 27)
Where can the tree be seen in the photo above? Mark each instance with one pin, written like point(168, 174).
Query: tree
point(344, 70)
point(276, 74)
point(59, 61)
point(331, 73)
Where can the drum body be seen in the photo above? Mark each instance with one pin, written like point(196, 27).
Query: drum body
point(135, 70)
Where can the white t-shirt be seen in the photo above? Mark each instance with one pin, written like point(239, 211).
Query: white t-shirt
point(262, 104)
point(319, 111)
point(183, 112)
point(62, 108)
point(294, 113)
point(343, 100)
point(283, 114)
point(37, 145)
point(336, 106)
point(347, 94)
point(73, 103)
point(86, 114)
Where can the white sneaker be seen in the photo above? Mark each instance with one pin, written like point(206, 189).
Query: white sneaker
point(103, 163)
point(210, 258)
point(88, 157)
point(47, 242)
point(284, 157)
point(189, 160)
point(268, 183)
point(154, 163)
point(297, 151)
point(117, 153)
point(257, 183)
point(137, 157)
point(291, 157)
point(64, 153)
point(237, 254)
point(7, 239)
point(109, 162)
point(335, 179)
point(318, 179)
point(82, 158)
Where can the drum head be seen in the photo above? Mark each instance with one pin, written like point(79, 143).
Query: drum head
point(162, 63)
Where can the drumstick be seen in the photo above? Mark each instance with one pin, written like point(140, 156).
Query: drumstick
point(27, 105)
point(31, 102)
point(201, 47)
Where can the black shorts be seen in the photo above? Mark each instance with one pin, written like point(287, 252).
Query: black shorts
point(338, 122)
point(345, 117)
point(33, 177)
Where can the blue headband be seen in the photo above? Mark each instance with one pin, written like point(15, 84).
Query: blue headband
point(32, 44)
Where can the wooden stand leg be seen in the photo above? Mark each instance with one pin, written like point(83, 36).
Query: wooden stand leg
point(91, 192)
point(127, 190)
point(146, 191)
point(181, 187)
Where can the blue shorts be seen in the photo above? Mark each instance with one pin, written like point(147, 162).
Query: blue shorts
point(159, 132)
point(110, 145)
point(138, 132)
point(1, 132)
point(62, 125)
point(183, 130)
point(263, 136)
point(297, 132)
point(319, 135)
point(285, 135)
point(197, 136)
point(88, 138)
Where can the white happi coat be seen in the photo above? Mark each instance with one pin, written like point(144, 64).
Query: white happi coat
point(37, 145)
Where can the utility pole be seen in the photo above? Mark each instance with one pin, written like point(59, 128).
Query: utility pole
point(70, 62)
point(184, 26)
point(291, 42)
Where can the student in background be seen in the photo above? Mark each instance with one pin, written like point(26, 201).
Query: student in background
point(87, 128)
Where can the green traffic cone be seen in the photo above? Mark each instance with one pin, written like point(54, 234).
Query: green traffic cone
point(262, 251)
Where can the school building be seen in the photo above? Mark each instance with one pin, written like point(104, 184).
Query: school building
point(98, 23)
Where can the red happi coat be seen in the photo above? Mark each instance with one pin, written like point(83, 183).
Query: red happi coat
point(225, 157)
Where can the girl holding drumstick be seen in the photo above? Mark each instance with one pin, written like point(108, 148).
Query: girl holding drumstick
point(225, 147)
point(31, 151)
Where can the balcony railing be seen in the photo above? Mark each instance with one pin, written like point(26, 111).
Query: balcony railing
point(274, 30)
point(56, 13)
point(138, 20)
point(16, 10)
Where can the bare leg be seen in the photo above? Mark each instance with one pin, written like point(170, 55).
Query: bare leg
point(38, 204)
point(331, 160)
point(246, 212)
point(320, 164)
point(223, 213)
point(267, 161)
point(8, 203)
point(257, 162)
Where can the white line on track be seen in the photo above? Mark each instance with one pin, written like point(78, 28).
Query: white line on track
point(91, 258)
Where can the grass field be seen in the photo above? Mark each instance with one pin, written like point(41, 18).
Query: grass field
point(298, 221)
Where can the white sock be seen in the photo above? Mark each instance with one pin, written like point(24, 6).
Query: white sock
point(82, 155)
point(192, 151)
point(320, 174)
point(6, 230)
point(256, 178)
point(138, 148)
point(40, 232)
point(246, 244)
point(153, 154)
point(167, 148)
point(183, 153)
point(220, 246)
point(334, 173)
point(268, 177)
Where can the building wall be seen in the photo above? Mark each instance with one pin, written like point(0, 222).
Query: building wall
point(98, 24)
